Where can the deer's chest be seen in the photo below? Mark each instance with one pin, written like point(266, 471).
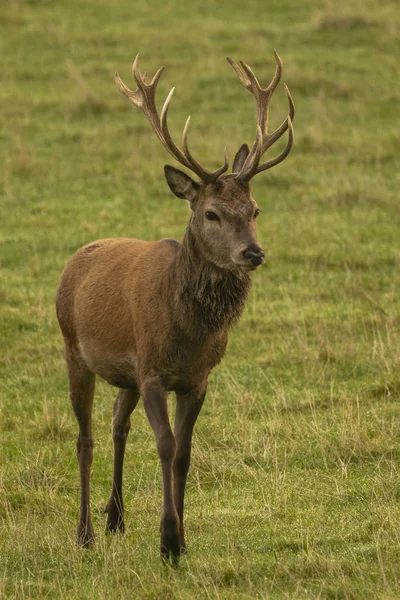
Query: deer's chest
point(186, 364)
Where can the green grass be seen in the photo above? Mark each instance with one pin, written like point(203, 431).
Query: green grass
point(294, 490)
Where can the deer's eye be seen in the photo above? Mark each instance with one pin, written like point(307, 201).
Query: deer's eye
point(211, 216)
point(256, 213)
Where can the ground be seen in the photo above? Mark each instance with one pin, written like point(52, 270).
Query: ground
point(294, 487)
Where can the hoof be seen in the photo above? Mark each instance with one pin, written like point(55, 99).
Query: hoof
point(115, 518)
point(170, 547)
point(85, 535)
point(170, 555)
point(115, 526)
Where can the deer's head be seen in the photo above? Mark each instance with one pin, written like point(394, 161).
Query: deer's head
point(224, 213)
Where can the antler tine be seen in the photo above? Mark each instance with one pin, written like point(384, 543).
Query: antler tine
point(141, 79)
point(243, 78)
point(262, 97)
point(253, 157)
point(271, 138)
point(204, 174)
point(135, 97)
point(278, 72)
point(144, 98)
point(169, 142)
point(254, 83)
point(274, 161)
point(136, 72)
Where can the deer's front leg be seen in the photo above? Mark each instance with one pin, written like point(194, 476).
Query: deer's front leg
point(188, 407)
point(155, 404)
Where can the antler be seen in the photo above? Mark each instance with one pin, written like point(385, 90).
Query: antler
point(263, 139)
point(144, 98)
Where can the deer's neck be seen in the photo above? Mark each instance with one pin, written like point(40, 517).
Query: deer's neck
point(207, 299)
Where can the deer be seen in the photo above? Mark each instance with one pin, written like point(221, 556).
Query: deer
point(152, 317)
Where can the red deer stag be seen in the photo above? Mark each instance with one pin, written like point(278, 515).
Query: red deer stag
point(153, 317)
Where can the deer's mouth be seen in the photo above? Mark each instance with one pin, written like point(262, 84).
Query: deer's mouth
point(247, 266)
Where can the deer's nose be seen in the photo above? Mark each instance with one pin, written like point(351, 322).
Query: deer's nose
point(254, 254)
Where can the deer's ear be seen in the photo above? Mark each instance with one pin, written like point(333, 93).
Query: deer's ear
point(240, 157)
point(181, 184)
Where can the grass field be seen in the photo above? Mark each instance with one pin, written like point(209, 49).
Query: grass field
point(294, 489)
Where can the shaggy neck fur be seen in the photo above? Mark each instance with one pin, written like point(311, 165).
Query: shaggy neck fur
point(207, 299)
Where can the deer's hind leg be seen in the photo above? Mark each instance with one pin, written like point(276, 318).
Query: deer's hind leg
point(81, 391)
point(125, 403)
